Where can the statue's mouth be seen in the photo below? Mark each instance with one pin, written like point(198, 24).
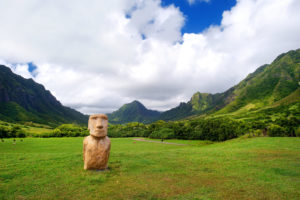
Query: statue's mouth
point(99, 133)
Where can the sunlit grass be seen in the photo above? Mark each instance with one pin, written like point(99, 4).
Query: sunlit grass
point(186, 142)
point(52, 168)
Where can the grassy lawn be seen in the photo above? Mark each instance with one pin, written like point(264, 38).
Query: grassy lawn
point(186, 142)
point(52, 168)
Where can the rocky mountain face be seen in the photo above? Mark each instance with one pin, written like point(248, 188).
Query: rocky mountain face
point(25, 100)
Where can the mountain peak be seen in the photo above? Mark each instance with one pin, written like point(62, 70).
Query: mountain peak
point(136, 102)
point(134, 105)
point(133, 112)
point(199, 95)
point(201, 101)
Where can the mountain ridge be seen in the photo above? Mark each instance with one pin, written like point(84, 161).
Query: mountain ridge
point(25, 100)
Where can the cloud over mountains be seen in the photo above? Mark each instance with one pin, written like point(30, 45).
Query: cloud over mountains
point(97, 55)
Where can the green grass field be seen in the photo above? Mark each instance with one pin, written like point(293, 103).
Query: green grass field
point(52, 168)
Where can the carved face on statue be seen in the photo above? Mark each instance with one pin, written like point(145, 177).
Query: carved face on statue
point(98, 125)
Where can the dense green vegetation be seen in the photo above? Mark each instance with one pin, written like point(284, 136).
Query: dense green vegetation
point(11, 130)
point(69, 130)
point(282, 120)
point(52, 168)
point(214, 129)
point(204, 129)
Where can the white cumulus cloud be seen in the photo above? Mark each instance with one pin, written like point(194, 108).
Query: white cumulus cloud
point(97, 55)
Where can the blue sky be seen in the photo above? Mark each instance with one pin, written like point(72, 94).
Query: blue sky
point(200, 15)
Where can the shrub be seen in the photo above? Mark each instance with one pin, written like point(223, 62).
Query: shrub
point(276, 131)
point(4, 132)
point(21, 134)
point(69, 130)
point(258, 133)
point(163, 133)
point(11, 131)
point(297, 131)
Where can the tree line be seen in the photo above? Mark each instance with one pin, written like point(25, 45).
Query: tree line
point(214, 129)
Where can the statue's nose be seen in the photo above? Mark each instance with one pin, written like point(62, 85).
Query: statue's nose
point(99, 124)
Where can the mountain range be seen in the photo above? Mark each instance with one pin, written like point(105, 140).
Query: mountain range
point(266, 86)
point(23, 100)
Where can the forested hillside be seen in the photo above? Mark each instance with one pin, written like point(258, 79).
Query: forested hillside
point(24, 100)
